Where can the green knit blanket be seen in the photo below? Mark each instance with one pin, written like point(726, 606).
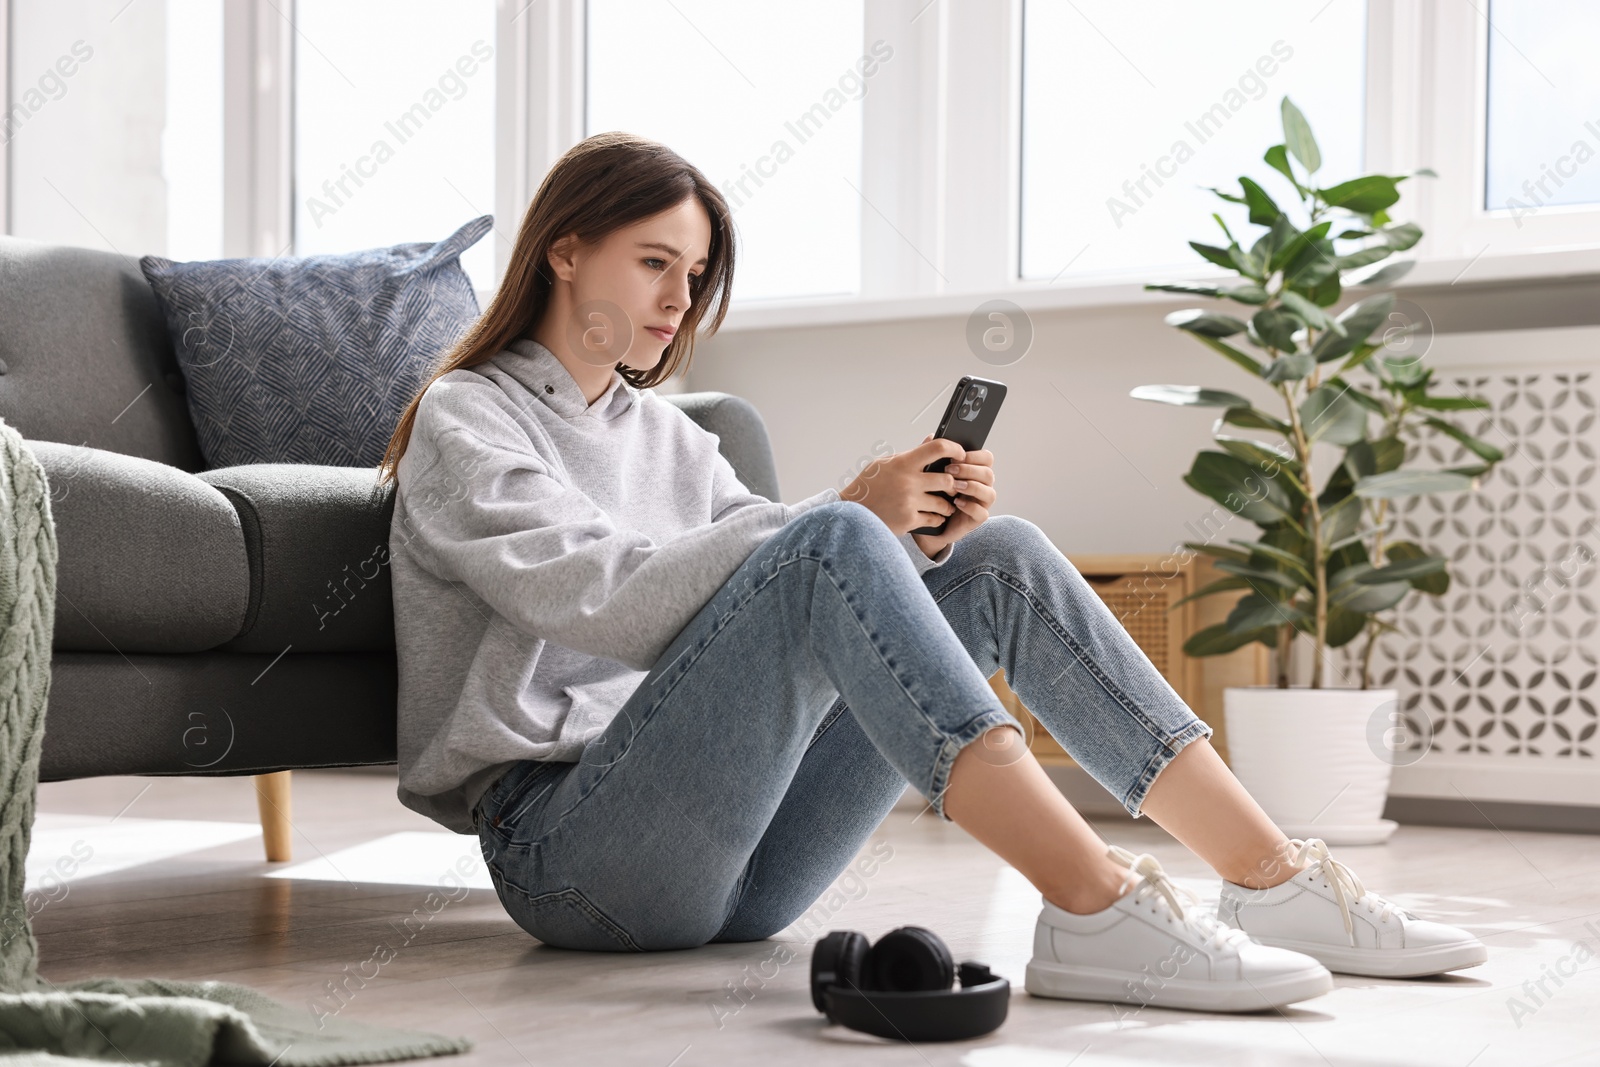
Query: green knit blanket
point(134, 1021)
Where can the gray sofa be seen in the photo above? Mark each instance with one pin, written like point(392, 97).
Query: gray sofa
point(235, 621)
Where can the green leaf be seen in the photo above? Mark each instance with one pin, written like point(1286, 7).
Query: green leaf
point(1188, 396)
point(1255, 452)
point(1297, 136)
point(1425, 172)
point(1247, 264)
point(1198, 320)
point(1248, 362)
point(1328, 414)
point(1435, 583)
point(1352, 594)
point(1255, 419)
point(1263, 211)
point(1219, 551)
point(1340, 520)
point(1219, 256)
point(1450, 403)
point(1364, 257)
point(1371, 403)
point(1260, 575)
point(1297, 243)
point(1343, 626)
point(1255, 612)
point(1276, 328)
point(1357, 322)
point(1396, 484)
point(1221, 585)
point(1402, 235)
point(1229, 197)
point(1404, 570)
point(1292, 367)
point(1311, 313)
point(1240, 487)
point(1277, 157)
point(1478, 447)
point(1387, 275)
point(1326, 293)
point(1348, 539)
point(1217, 640)
point(1194, 288)
point(1247, 294)
point(1366, 458)
point(1244, 294)
point(1364, 195)
point(1312, 265)
point(1280, 555)
point(1407, 371)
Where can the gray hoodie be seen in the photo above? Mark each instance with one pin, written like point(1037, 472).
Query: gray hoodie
point(544, 552)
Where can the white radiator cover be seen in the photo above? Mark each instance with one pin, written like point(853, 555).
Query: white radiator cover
point(1501, 670)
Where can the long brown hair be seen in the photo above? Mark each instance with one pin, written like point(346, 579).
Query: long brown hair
point(601, 184)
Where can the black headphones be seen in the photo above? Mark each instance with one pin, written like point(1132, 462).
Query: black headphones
point(900, 987)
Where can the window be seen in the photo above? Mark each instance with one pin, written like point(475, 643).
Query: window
point(191, 141)
point(394, 134)
point(765, 101)
point(1121, 126)
point(1543, 113)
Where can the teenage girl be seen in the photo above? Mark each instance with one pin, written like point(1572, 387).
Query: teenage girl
point(674, 710)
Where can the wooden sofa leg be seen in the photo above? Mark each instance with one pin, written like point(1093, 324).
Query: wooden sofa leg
point(272, 798)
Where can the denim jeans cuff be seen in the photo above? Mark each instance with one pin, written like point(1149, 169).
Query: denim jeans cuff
point(974, 729)
point(1163, 755)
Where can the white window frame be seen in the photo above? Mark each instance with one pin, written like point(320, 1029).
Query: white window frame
point(940, 154)
point(257, 128)
point(1456, 39)
point(5, 109)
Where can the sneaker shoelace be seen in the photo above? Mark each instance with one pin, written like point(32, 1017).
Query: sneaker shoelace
point(1154, 882)
point(1347, 888)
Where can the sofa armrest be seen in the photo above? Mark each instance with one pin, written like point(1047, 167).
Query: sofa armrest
point(317, 538)
point(151, 559)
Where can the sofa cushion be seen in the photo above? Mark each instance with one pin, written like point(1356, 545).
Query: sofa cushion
point(312, 359)
point(318, 544)
point(151, 559)
point(85, 357)
point(217, 713)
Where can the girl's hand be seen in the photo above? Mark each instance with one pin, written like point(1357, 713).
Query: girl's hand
point(973, 485)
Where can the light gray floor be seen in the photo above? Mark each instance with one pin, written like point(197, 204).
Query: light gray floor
point(165, 877)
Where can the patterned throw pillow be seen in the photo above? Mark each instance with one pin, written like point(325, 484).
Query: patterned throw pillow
point(312, 359)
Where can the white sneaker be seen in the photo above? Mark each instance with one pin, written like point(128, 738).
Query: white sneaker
point(1325, 912)
point(1148, 948)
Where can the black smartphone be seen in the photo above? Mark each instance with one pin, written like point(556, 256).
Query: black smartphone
point(967, 419)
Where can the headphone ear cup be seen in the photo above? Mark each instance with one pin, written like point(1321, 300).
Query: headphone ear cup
point(840, 954)
point(908, 959)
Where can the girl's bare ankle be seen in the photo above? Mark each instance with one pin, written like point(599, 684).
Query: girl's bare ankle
point(1088, 897)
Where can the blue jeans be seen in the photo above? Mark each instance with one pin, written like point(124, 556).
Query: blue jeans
point(780, 726)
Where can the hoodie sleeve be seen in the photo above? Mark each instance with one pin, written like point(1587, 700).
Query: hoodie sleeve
point(730, 494)
point(925, 563)
point(482, 508)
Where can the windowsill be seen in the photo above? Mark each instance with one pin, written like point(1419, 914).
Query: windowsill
point(1484, 272)
point(1481, 275)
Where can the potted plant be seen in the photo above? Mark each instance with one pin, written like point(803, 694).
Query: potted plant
point(1319, 485)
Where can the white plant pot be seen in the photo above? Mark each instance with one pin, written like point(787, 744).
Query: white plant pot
point(1310, 759)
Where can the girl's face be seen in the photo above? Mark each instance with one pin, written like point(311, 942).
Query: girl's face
point(630, 290)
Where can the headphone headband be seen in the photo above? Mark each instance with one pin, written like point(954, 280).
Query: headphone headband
point(842, 987)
